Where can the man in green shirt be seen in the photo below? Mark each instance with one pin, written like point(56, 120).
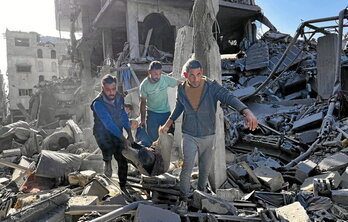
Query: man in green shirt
point(154, 99)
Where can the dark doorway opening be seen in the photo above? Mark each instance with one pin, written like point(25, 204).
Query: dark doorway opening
point(163, 34)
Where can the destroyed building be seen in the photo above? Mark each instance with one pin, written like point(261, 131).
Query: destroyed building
point(3, 99)
point(149, 27)
point(32, 61)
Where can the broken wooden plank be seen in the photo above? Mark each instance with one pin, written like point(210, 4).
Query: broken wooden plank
point(118, 212)
point(134, 75)
point(103, 209)
point(147, 42)
point(15, 166)
point(169, 191)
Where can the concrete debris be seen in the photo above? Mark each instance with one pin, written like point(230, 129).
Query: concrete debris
point(81, 178)
point(303, 169)
point(273, 179)
point(95, 188)
point(230, 195)
point(293, 213)
point(334, 162)
point(150, 213)
point(202, 200)
point(82, 201)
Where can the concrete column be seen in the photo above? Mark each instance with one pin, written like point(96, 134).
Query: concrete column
point(326, 63)
point(86, 83)
point(183, 51)
point(107, 44)
point(132, 29)
point(207, 51)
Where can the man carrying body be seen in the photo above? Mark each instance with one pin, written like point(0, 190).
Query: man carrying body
point(154, 99)
point(197, 97)
point(109, 120)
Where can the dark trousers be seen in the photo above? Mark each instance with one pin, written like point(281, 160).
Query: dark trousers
point(111, 145)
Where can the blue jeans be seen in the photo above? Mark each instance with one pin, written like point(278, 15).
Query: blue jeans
point(153, 121)
point(142, 137)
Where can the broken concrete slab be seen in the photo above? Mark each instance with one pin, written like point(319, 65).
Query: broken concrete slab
point(257, 56)
point(11, 152)
point(151, 213)
point(53, 164)
point(293, 213)
point(303, 169)
point(3, 181)
point(307, 122)
point(82, 201)
point(231, 194)
point(81, 178)
point(19, 176)
point(212, 204)
point(340, 196)
point(163, 180)
point(92, 162)
point(334, 177)
point(273, 179)
point(326, 64)
point(344, 177)
point(307, 137)
point(95, 188)
point(334, 162)
point(244, 91)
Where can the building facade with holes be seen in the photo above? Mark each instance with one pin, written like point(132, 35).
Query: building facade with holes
point(31, 60)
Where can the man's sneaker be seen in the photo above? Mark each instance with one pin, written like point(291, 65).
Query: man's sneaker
point(182, 208)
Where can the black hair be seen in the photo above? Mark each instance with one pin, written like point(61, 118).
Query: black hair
point(129, 106)
point(108, 79)
point(155, 65)
point(192, 64)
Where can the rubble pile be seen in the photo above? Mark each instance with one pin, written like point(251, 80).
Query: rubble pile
point(294, 165)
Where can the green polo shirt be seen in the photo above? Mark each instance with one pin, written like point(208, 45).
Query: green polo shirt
point(156, 93)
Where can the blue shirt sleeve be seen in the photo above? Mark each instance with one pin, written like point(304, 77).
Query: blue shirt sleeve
point(106, 119)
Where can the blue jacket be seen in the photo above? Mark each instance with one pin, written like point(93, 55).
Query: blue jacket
point(202, 122)
point(109, 118)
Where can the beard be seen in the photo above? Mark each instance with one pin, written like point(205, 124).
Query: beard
point(110, 97)
point(154, 80)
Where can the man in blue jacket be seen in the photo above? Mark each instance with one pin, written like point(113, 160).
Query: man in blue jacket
point(197, 98)
point(110, 118)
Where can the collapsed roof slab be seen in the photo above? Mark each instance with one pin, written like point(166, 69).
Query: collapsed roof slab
point(234, 14)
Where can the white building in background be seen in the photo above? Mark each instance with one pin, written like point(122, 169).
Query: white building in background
point(31, 59)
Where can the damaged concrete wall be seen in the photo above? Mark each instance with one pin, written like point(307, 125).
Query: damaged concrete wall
point(138, 11)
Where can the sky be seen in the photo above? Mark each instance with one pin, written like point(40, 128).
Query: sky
point(287, 15)
point(25, 15)
point(39, 16)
